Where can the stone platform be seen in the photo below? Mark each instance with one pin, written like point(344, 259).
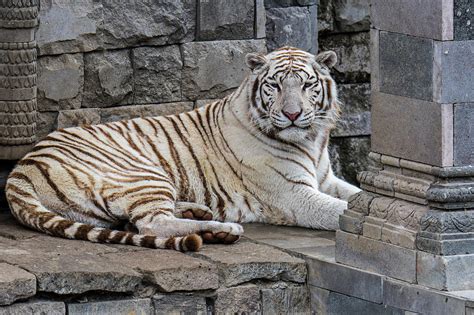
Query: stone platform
point(272, 270)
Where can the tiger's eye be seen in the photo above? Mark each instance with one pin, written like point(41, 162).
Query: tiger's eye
point(307, 85)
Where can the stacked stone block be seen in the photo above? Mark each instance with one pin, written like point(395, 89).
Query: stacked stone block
point(417, 207)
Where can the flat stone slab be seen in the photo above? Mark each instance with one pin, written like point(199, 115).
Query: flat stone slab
point(244, 261)
point(15, 284)
point(36, 307)
point(127, 306)
point(170, 270)
point(69, 267)
point(10, 228)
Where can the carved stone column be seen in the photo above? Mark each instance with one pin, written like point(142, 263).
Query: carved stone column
point(18, 21)
point(414, 221)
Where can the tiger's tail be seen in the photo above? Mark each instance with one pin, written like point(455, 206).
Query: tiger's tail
point(26, 207)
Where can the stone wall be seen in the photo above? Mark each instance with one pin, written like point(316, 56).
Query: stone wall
point(100, 61)
point(344, 27)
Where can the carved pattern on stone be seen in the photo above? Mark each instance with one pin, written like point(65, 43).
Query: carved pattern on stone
point(17, 76)
point(448, 222)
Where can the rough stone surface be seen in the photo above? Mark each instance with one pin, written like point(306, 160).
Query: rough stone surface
point(150, 22)
point(353, 56)
point(69, 26)
point(352, 15)
point(170, 270)
point(281, 298)
point(72, 26)
point(129, 112)
point(245, 261)
point(60, 82)
point(446, 272)
point(423, 18)
point(406, 65)
point(11, 229)
point(463, 20)
point(158, 74)
point(108, 78)
point(393, 261)
point(45, 124)
point(288, 3)
point(68, 267)
point(419, 299)
point(36, 307)
point(201, 103)
point(400, 124)
point(135, 306)
point(326, 20)
point(179, 303)
point(339, 278)
point(204, 62)
point(15, 284)
point(349, 156)
point(226, 19)
point(292, 26)
point(463, 134)
point(453, 84)
point(237, 300)
point(78, 117)
point(332, 303)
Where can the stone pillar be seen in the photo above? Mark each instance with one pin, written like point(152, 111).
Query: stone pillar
point(414, 221)
point(18, 21)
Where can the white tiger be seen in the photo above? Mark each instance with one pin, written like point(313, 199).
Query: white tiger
point(258, 155)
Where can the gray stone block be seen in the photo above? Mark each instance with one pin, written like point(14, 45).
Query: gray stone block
point(406, 65)
point(76, 26)
point(237, 300)
point(246, 261)
point(446, 272)
point(35, 307)
point(454, 83)
point(108, 79)
point(292, 26)
point(282, 298)
point(203, 75)
point(353, 56)
point(355, 110)
point(78, 117)
point(374, 60)
point(179, 303)
point(332, 303)
point(15, 284)
point(463, 19)
point(339, 278)
point(60, 82)
point(260, 19)
point(326, 23)
point(169, 270)
point(391, 260)
point(69, 26)
point(352, 15)
point(117, 307)
point(351, 221)
point(225, 19)
point(350, 125)
point(158, 74)
point(419, 299)
point(135, 111)
point(288, 3)
point(400, 124)
point(424, 18)
point(463, 134)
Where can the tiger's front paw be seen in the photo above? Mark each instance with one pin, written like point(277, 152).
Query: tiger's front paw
point(226, 233)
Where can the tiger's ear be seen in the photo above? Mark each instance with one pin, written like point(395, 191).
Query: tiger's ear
point(255, 60)
point(327, 58)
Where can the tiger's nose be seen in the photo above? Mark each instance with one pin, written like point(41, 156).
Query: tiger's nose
point(292, 116)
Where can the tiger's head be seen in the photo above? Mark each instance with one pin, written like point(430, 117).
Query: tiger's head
point(292, 94)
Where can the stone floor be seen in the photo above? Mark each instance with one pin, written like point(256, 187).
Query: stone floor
point(272, 270)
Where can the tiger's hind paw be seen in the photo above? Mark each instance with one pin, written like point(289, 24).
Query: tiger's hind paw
point(230, 233)
point(193, 211)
